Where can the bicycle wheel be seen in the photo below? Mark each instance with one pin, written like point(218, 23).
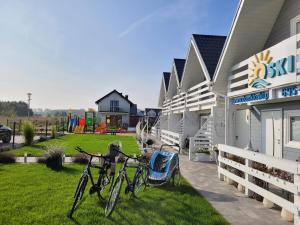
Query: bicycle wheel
point(79, 193)
point(139, 182)
point(114, 196)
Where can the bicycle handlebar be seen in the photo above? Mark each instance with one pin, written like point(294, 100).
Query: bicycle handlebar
point(128, 156)
point(92, 155)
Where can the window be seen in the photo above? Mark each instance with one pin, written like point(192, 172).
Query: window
point(295, 128)
point(295, 25)
point(292, 128)
point(114, 106)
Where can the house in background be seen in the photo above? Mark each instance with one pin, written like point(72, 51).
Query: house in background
point(116, 110)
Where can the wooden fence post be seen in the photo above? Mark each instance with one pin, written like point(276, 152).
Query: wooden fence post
point(63, 126)
point(46, 128)
point(14, 134)
point(20, 126)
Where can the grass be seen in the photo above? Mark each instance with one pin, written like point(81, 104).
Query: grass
point(93, 143)
point(34, 194)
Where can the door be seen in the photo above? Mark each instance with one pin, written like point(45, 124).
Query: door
point(272, 132)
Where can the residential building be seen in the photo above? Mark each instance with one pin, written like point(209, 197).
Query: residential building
point(189, 109)
point(259, 76)
point(116, 110)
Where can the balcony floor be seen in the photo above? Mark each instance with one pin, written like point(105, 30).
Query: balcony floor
point(233, 205)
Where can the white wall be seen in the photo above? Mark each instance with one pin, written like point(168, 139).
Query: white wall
point(191, 123)
point(193, 72)
point(218, 114)
point(104, 105)
point(174, 122)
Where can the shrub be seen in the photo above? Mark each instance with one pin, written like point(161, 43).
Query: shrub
point(80, 158)
point(54, 157)
point(7, 158)
point(53, 132)
point(28, 132)
point(42, 138)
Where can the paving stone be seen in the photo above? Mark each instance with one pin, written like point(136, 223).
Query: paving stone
point(234, 206)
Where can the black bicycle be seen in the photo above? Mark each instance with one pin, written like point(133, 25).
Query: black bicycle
point(106, 175)
point(138, 182)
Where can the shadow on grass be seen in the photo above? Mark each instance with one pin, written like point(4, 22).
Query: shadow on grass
point(71, 170)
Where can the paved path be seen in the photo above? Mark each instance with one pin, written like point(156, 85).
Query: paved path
point(233, 205)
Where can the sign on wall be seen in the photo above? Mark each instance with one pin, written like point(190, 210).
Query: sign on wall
point(273, 67)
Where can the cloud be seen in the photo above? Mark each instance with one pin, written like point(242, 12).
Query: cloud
point(180, 9)
point(139, 22)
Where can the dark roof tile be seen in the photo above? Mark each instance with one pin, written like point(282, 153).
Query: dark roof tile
point(210, 48)
point(179, 65)
point(166, 76)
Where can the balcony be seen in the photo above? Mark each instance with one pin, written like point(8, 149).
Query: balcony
point(196, 98)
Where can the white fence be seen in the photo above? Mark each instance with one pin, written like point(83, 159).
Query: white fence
point(154, 132)
point(244, 173)
point(170, 137)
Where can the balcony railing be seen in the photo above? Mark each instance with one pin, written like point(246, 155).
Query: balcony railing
point(170, 137)
point(196, 98)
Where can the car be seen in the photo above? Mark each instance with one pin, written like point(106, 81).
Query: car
point(5, 133)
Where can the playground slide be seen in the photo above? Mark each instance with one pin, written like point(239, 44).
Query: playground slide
point(78, 129)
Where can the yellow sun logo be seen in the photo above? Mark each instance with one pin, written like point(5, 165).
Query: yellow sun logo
point(258, 68)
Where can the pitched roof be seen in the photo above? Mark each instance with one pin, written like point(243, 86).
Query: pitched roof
point(210, 48)
point(114, 91)
point(166, 76)
point(179, 65)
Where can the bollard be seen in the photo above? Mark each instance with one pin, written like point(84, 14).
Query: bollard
point(63, 159)
point(25, 157)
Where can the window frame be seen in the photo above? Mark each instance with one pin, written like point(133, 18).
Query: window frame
point(293, 25)
point(287, 129)
point(114, 104)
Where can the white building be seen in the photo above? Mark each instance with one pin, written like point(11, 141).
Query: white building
point(190, 110)
point(115, 110)
point(259, 76)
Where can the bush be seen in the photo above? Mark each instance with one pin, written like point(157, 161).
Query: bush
point(54, 157)
point(53, 132)
point(28, 132)
point(80, 158)
point(7, 158)
point(42, 138)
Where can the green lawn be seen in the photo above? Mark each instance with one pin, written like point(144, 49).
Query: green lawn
point(93, 143)
point(34, 194)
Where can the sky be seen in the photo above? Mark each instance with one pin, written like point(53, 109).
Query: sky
point(69, 53)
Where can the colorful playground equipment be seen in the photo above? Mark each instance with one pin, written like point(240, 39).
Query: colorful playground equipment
point(88, 124)
point(102, 129)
